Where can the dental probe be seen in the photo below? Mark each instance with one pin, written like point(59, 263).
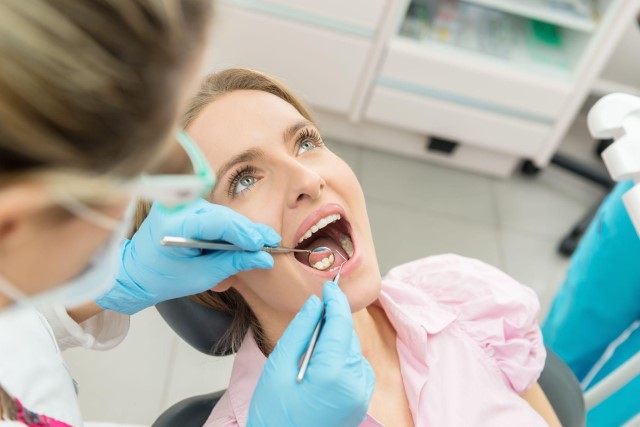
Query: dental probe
point(217, 246)
point(314, 337)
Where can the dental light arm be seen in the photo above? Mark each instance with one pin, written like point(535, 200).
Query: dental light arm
point(617, 116)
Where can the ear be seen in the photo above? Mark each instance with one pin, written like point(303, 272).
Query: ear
point(18, 203)
point(225, 285)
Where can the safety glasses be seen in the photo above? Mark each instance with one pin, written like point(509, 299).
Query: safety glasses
point(175, 191)
point(172, 192)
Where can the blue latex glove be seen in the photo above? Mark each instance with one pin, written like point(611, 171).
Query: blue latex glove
point(338, 384)
point(150, 273)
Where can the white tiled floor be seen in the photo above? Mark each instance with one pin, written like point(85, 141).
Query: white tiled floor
point(416, 209)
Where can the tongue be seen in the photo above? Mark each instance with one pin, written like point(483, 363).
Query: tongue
point(339, 253)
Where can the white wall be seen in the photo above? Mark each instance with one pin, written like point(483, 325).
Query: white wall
point(624, 65)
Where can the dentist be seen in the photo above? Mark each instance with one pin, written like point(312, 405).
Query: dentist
point(90, 95)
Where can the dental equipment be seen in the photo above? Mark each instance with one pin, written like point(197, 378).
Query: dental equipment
point(317, 256)
point(221, 246)
point(617, 116)
point(321, 258)
point(314, 337)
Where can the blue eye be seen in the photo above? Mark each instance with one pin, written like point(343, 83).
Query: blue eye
point(309, 139)
point(305, 146)
point(244, 183)
point(242, 180)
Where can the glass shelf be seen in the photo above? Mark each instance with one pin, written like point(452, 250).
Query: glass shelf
point(510, 39)
point(547, 11)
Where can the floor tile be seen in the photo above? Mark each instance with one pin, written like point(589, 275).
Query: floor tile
point(193, 373)
point(403, 235)
point(548, 204)
point(125, 384)
point(427, 187)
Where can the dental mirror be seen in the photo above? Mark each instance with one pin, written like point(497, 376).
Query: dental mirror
point(321, 258)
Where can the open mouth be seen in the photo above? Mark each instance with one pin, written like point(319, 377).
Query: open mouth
point(332, 231)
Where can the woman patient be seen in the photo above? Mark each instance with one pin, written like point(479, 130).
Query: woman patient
point(452, 341)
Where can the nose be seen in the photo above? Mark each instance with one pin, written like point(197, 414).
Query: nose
point(305, 185)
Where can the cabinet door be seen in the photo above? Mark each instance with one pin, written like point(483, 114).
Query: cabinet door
point(324, 67)
point(471, 79)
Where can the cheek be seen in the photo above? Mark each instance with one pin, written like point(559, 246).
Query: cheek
point(259, 205)
point(343, 179)
point(281, 289)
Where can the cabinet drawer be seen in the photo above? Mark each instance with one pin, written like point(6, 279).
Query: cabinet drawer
point(452, 121)
point(469, 78)
point(324, 67)
point(411, 144)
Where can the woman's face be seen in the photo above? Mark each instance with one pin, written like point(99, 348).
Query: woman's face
point(273, 167)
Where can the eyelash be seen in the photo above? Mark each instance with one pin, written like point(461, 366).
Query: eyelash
point(309, 134)
point(237, 176)
point(305, 135)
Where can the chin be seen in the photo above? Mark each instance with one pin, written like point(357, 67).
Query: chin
point(362, 287)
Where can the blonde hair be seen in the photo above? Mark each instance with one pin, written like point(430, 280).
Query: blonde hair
point(215, 86)
point(91, 88)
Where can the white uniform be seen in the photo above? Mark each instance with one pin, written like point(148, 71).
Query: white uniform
point(31, 366)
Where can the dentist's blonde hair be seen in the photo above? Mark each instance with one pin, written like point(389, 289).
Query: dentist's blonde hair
point(215, 86)
point(91, 88)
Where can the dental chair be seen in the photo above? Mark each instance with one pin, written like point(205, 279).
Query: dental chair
point(202, 327)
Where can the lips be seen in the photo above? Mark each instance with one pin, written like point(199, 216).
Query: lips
point(327, 227)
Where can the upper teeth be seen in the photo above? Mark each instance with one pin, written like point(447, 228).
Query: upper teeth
point(319, 225)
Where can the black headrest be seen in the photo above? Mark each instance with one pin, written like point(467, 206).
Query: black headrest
point(199, 326)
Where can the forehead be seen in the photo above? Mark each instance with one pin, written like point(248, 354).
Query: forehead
point(241, 120)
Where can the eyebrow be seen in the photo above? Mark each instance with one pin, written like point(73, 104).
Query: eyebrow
point(293, 129)
point(254, 154)
point(249, 155)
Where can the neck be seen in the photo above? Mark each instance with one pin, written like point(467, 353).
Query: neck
point(376, 334)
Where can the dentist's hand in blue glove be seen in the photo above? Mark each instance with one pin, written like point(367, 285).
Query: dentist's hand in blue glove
point(338, 384)
point(151, 273)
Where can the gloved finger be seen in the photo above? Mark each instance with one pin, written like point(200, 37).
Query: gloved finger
point(295, 339)
point(334, 343)
point(355, 355)
point(221, 223)
point(364, 368)
point(355, 350)
point(270, 236)
point(370, 381)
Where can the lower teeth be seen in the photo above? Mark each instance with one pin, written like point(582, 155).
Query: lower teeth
point(321, 258)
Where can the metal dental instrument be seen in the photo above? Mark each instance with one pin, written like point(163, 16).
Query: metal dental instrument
point(217, 246)
point(314, 337)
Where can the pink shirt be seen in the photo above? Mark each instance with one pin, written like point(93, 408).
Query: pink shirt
point(467, 339)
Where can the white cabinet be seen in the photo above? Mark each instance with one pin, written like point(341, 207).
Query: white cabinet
point(511, 81)
point(510, 98)
point(323, 66)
